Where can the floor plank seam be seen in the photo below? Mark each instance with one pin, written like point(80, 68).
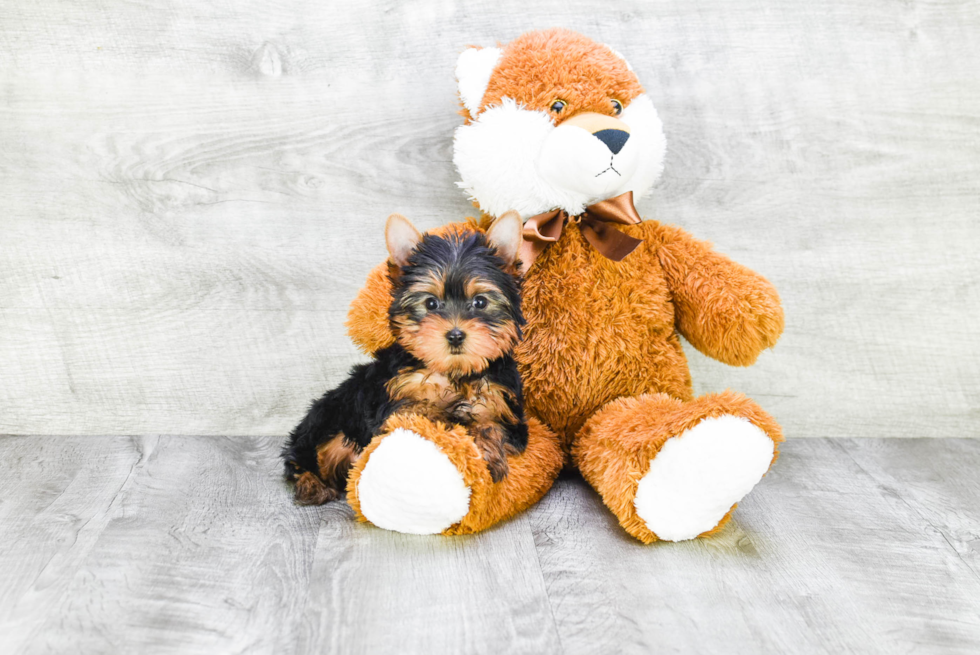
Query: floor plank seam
point(912, 508)
point(976, 574)
point(544, 585)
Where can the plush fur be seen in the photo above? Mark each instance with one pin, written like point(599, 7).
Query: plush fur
point(617, 445)
point(475, 66)
point(516, 152)
point(411, 485)
point(530, 473)
point(601, 359)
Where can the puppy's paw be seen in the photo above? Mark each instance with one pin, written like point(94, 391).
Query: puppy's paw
point(497, 465)
point(310, 490)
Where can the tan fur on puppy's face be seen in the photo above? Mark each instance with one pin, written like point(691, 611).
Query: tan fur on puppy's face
point(455, 304)
point(483, 343)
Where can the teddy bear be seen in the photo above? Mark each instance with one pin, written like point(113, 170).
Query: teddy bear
point(558, 128)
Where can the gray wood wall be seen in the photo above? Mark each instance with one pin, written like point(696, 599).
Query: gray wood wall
point(192, 192)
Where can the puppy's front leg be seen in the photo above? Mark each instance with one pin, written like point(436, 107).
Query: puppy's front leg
point(491, 441)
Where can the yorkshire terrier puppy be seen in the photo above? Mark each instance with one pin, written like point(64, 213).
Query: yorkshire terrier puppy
point(456, 316)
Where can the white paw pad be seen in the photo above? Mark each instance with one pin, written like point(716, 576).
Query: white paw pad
point(697, 476)
point(409, 485)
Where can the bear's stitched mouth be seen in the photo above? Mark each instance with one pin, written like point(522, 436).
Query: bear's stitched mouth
point(603, 172)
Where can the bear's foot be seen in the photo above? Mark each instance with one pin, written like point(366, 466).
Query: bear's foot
point(674, 470)
point(697, 477)
point(409, 485)
point(422, 477)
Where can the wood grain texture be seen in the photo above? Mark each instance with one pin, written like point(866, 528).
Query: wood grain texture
point(383, 592)
point(156, 544)
point(192, 545)
point(822, 558)
point(193, 192)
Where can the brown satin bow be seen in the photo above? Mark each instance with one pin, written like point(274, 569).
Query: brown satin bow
point(595, 224)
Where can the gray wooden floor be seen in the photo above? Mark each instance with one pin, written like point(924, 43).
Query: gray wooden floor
point(191, 545)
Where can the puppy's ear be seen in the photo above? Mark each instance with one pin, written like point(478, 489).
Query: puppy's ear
point(401, 238)
point(505, 236)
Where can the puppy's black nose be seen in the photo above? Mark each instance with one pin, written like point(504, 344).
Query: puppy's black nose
point(614, 139)
point(455, 337)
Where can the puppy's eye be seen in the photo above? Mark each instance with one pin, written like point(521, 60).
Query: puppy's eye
point(558, 106)
point(431, 304)
point(617, 107)
point(480, 302)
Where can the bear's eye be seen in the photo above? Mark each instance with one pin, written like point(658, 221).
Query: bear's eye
point(558, 106)
point(617, 107)
point(431, 304)
point(480, 302)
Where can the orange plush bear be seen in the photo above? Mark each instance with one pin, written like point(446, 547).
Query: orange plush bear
point(558, 128)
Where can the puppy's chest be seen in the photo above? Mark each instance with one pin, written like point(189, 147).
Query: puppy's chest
point(436, 395)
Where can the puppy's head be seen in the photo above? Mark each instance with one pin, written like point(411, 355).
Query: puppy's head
point(553, 120)
point(455, 297)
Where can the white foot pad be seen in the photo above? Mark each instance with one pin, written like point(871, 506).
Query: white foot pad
point(697, 477)
point(409, 485)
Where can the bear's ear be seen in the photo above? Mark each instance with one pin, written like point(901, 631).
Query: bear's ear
point(473, 70)
point(505, 236)
point(401, 238)
point(620, 55)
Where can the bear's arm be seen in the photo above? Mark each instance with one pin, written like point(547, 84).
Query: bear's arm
point(725, 310)
point(367, 318)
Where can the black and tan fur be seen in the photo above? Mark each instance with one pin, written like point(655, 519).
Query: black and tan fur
point(455, 312)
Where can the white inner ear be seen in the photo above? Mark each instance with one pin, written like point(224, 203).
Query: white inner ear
point(401, 237)
point(473, 70)
point(505, 235)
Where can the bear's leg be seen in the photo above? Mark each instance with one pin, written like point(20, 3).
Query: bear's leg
point(674, 470)
point(422, 477)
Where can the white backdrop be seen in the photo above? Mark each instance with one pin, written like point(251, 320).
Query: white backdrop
point(191, 194)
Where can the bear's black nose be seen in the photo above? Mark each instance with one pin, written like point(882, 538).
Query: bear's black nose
point(455, 337)
point(614, 139)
